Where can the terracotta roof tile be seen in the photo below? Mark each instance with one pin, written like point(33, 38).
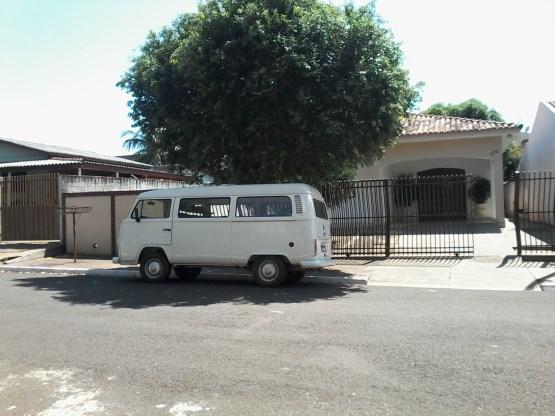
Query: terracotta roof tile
point(421, 124)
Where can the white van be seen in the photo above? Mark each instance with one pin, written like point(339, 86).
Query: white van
point(277, 231)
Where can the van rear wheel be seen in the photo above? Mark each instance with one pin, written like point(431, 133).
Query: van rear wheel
point(269, 271)
point(187, 273)
point(155, 267)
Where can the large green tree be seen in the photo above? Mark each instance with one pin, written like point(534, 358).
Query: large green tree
point(471, 108)
point(253, 91)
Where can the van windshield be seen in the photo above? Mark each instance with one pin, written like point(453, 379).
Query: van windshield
point(320, 208)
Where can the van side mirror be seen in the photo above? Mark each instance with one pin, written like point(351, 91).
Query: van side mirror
point(136, 214)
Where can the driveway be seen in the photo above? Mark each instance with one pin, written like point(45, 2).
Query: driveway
point(89, 345)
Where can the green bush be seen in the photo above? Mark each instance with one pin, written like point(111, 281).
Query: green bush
point(480, 190)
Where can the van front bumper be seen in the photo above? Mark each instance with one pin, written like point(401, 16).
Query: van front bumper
point(317, 263)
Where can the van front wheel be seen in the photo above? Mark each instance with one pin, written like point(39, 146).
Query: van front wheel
point(269, 271)
point(155, 268)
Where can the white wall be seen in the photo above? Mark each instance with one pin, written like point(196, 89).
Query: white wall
point(92, 228)
point(539, 153)
point(95, 228)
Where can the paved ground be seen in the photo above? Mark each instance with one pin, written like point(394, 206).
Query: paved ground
point(481, 273)
point(89, 345)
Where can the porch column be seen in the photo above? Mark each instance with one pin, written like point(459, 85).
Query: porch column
point(79, 172)
point(496, 179)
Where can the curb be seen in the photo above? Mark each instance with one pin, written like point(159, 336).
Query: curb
point(361, 280)
point(67, 270)
point(37, 253)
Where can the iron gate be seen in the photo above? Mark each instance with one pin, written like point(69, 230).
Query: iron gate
point(406, 216)
point(28, 207)
point(534, 212)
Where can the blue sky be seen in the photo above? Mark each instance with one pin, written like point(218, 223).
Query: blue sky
point(60, 59)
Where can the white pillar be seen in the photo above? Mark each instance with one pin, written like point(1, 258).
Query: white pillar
point(79, 172)
point(496, 179)
point(117, 174)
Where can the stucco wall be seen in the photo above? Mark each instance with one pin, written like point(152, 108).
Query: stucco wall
point(481, 156)
point(95, 228)
point(92, 228)
point(539, 153)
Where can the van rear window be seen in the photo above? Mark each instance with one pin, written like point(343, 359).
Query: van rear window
point(264, 206)
point(203, 208)
point(320, 208)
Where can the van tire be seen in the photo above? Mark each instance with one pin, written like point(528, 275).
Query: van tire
point(295, 276)
point(155, 267)
point(269, 271)
point(186, 273)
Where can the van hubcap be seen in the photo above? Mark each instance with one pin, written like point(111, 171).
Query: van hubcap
point(268, 271)
point(154, 268)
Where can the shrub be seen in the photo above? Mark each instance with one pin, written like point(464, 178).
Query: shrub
point(480, 190)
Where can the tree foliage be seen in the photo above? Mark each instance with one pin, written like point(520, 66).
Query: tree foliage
point(471, 108)
point(253, 91)
point(511, 159)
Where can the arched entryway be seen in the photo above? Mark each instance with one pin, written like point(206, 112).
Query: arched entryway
point(444, 199)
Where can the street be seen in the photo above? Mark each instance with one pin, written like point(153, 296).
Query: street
point(86, 345)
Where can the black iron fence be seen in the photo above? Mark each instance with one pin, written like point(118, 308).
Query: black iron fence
point(534, 213)
point(406, 216)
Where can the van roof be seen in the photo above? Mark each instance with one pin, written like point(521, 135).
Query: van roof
point(232, 190)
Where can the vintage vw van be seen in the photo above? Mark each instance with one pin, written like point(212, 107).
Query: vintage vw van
point(277, 231)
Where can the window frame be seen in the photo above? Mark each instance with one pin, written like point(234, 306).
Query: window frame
point(324, 206)
point(291, 215)
point(142, 201)
point(178, 207)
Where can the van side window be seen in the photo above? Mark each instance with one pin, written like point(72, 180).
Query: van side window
point(203, 208)
point(320, 208)
point(264, 206)
point(152, 208)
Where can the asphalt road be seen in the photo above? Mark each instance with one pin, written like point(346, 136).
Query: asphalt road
point(77, 345)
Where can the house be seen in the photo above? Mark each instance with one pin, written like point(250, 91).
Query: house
point(539, 150)
point(432, 145)
point(35, 179)
point(19, 157)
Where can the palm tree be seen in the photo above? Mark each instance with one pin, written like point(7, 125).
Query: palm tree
point(147, 148)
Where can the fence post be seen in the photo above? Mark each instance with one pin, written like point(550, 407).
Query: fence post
point(387, 219)
point(516, 212)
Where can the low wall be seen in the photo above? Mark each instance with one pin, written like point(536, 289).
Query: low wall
point(81, 184)
point(97, 231)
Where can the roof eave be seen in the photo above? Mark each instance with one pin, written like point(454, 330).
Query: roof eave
point(472, 134)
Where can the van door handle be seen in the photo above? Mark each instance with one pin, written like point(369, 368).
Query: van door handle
point(166, 229)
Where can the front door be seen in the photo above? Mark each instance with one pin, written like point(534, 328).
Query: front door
point(149, 225)
point(441, 194)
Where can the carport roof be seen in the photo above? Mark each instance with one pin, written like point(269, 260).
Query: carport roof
point(425, 124)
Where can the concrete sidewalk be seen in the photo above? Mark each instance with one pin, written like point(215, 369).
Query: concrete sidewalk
point(479, 273)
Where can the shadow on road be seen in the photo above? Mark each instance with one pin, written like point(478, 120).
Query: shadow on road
point(120, 292)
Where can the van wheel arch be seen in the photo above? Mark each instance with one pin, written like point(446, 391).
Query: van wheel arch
point(255, 257)
point(154, 265)
point(152, 250)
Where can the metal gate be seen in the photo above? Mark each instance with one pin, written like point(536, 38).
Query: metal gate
point(534, 213)
point(28, 207)
point(406, 216)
